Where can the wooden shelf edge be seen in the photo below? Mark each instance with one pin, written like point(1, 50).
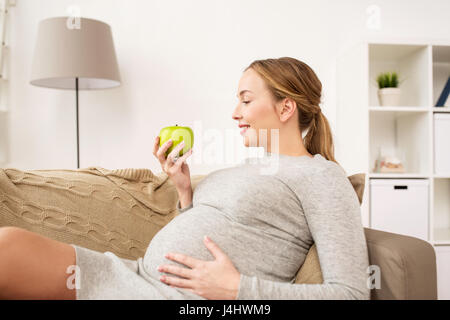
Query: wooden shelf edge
point(399, 175)
point(399, 109)
point(414, 41)
point(441, 109)
point(441, 242)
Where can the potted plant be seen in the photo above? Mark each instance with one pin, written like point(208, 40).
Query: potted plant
point(388, 91)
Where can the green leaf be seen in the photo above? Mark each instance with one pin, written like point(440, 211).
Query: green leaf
point(394, 80)
point(387, 80)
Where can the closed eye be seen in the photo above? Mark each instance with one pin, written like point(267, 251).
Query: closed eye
point(245, 102)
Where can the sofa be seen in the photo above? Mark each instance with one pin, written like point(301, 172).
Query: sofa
point(121, 210)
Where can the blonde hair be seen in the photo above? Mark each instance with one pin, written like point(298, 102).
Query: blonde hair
point(290, 78)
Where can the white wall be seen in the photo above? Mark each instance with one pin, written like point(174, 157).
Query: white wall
point(180, 62)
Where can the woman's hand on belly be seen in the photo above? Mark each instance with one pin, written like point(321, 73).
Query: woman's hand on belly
point(214, 280)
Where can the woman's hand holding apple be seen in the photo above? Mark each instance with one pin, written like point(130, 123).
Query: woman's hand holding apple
point(177, 171)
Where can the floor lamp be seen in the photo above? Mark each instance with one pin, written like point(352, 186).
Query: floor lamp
point(76, 57)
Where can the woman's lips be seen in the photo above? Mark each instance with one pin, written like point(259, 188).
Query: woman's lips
point(244, 129)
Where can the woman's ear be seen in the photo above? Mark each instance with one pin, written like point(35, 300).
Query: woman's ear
point(286, 109)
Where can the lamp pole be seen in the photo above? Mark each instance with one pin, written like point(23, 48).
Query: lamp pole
point(78, 135)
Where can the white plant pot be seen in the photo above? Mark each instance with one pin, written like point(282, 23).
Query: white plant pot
point(389, 96)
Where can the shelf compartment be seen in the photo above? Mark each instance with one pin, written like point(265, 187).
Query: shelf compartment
point(441, 145)
point(441, 216)
point(407, 131)
point(441, 236)
point(441, 71)
point(411, 62)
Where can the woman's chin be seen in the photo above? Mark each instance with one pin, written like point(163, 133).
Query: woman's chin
point(247, 143)
point(250, 138)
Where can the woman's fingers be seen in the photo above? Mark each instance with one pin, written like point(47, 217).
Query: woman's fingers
point(176, 167)
point(156, 145)
point(160, 154)
point(183, 158)
point(175, 151)
point(169, 164)
point(184, 272)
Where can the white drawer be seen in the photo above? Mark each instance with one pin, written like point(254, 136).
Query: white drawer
point(400, 206)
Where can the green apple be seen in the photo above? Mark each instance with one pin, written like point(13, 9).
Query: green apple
point(177, 134)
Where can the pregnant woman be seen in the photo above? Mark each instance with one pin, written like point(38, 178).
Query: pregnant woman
point(260, 226)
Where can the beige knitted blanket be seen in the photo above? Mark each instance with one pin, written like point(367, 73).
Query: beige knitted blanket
point(104, 210)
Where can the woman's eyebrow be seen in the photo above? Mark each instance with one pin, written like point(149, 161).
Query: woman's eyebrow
point(242, 92)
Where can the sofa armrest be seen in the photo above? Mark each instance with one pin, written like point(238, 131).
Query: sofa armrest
point(407, 266)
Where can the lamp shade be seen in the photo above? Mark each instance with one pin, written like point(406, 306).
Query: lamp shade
point(62, 54)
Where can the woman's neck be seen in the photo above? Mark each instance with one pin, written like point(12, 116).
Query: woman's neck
point(290, 145)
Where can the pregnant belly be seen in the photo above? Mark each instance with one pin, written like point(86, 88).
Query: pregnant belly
point(184, 234)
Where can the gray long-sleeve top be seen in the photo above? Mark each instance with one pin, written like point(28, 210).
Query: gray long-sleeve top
point(265, 214)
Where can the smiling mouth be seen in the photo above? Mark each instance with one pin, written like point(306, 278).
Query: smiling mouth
point(244, 129)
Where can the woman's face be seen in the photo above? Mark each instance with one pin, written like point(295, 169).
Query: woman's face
point(256, 107)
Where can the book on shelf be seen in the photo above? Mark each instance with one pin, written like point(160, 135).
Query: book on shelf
point(444, 94)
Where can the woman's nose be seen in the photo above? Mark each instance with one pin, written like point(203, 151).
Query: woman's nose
point(235, 114)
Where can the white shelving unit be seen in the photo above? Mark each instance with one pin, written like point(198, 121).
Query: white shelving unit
point(4, 84)
point(363, 126)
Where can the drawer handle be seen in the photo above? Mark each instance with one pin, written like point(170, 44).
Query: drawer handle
point(400, 187)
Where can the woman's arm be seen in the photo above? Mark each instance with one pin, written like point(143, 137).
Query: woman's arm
point(333, 215)
point(253, 288)
point(184, 199)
